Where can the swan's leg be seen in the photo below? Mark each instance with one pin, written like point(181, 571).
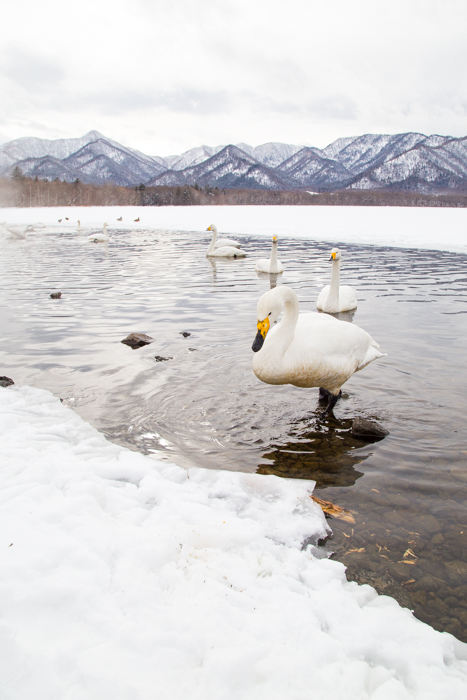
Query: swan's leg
point(332, 398)
point(332, 401)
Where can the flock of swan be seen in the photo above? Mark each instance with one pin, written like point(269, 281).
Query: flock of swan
point(306, 350)
point(303, 349)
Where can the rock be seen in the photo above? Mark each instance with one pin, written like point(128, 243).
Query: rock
point(458, 567)
point(424, 523)
point(159, 358)
point(137, 340)
point(56, 295)
point(6, 381)
point(367, 429)
point(185, 334)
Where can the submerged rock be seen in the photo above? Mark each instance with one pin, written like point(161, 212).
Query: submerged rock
point(137, 340)
point(56, 295)
point(367, 429)
point(159, 358)
point(6, 381)
point(185, 334)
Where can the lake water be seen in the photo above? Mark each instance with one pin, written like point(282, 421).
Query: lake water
point(199, 402)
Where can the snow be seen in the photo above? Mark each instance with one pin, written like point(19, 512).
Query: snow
point(127, 578)
point(397, 227)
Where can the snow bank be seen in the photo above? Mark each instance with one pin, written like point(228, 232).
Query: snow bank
point(396, 227)
point(125, 578)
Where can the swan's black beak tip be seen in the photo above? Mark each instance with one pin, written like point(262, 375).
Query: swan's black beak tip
point(258, 342)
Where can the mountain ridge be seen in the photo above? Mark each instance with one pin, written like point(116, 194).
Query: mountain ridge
point(409, 161)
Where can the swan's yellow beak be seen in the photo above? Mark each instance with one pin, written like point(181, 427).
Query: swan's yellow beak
point(208, 228)
point(263, 327)
point(333, 256)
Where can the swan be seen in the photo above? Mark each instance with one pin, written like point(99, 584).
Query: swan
point(15, 232)
point(99, 237)
point(272, 264)
point(334, 298)
point(221, 242)
point(307, 350)
point(39, 224)
point(224, 251)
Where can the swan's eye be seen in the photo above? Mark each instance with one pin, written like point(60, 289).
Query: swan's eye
point(269, 313)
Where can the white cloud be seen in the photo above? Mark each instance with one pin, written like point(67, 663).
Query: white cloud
point(164, 76)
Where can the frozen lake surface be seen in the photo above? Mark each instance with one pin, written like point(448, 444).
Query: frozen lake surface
point(201, 405)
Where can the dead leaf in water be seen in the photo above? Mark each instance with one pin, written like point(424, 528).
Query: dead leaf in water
point(406, 583)
point(334, 510)
point(360, 549)
point(406, 561)
point(409, 553)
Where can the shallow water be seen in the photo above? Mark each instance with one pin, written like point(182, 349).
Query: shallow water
point(202, 405)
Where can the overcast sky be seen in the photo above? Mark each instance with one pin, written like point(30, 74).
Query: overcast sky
point(166, 75)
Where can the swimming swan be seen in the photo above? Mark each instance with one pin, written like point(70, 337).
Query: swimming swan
point(99, 237)
point(221, 242)
point(15, 232)
point(307, 350)
point(224, 251)
point(272, 264)
point(333, 298)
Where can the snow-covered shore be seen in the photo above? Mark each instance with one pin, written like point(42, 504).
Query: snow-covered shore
point(128, 578)
point(399, 227)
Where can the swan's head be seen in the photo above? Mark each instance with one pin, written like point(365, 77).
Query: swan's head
point(335, 254)
point(269, 309)
point(274, 239)
point(212, 227)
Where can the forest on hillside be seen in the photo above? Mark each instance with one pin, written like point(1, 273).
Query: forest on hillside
point(20, 191)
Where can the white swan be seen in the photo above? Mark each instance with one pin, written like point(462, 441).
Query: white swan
point(99, 237)
point(334, 298)
point(221, 242)
point(224, 251)
point(307, 350)
point(15, 232)
point(272, 264)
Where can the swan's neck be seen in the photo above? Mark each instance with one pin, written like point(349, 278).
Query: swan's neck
point(332, 304)
point(273, 265)
point(284, 333)
point(105, 230)
point(214, 239)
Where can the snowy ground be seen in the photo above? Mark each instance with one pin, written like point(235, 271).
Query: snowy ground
point(125, 578)
point(400, 227)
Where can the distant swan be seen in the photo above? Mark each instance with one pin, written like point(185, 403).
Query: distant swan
point(334, 298)
point(307, 350)
point(99, 237)
point(221, 242)
point(223, 251)
point(272, 264)
point(15, 232)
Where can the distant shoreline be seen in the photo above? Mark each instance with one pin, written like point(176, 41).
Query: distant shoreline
point(27, 192)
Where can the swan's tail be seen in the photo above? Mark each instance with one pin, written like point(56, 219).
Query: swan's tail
point(372, 354)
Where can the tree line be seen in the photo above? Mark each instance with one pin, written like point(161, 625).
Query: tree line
point(20, 191)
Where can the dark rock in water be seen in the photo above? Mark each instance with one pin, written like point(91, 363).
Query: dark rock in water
point(56, 295)
point(159, 358)
point(137, 340)
point(6, 381)
point(185, 334)
point(367, 429)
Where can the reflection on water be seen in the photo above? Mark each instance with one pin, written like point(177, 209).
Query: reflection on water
point(325, 452)
point(195, 400)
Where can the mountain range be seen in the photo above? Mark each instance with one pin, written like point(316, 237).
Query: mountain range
point(402, 162)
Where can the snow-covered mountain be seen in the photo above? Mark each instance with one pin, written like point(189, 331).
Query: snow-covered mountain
point(410, 161)
point(230, 167)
